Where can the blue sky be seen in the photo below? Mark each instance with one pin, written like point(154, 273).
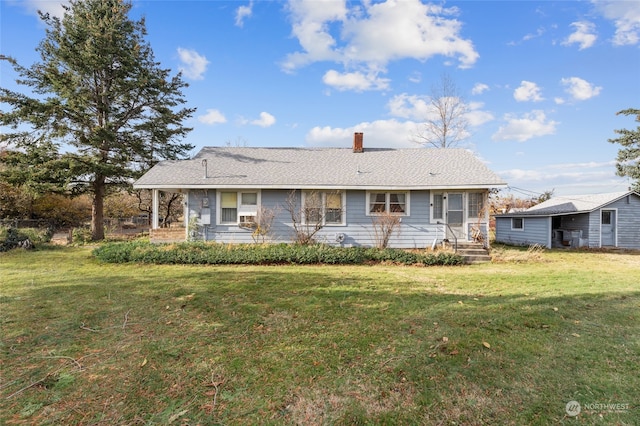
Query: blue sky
point(542, 80)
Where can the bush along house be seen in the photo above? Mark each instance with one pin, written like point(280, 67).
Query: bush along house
point(402, 198)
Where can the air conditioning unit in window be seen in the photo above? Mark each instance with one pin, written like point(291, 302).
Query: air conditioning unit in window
point(247, 222)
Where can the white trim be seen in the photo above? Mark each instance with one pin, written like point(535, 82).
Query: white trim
point(615, 225)
point(241, 210)
point(323, 194)
point(517, 229)
point(380, 188)
point(431, 203)
point(155, 209)
point(407, 202)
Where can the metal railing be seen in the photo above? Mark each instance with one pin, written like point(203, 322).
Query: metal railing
point(455, 239)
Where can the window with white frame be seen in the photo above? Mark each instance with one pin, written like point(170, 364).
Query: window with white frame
point(396, 203)
point(437, 206)
point(475, 204)
point(323, 207)
point(517, 223)
point(238, 207)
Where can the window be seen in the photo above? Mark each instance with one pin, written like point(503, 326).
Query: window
point(475, 201)
point(517, 223)
point(228, 207)
point(606, 217)
point(333, 213)
point(438, 205)
point(388, 202)
point(238, 207)
point(323, 207)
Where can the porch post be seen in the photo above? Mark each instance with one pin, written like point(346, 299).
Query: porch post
point(487, 219)
point(155, 197)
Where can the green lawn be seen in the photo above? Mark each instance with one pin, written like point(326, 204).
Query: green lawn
point(501, 343)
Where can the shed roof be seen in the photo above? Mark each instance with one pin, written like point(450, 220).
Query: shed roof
point(571, 204)
point(232, 167)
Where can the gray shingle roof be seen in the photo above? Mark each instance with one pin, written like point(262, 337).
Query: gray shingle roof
point(323, 167)
point(571, 204)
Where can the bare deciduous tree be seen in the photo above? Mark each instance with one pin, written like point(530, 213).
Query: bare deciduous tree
point(446, 124)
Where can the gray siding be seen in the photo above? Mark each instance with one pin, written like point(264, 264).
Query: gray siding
point(628, 222)
point(537, 230)
point(414, 231)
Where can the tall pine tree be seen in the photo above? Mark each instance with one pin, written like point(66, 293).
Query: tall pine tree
point(99, 99)
point(628, 161)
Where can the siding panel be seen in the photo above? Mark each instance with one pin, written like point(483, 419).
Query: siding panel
point(537, 230)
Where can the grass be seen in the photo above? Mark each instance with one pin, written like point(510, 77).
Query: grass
point(510, 342)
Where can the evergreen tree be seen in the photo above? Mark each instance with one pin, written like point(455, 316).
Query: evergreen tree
point(99, 102)
point(628, 161)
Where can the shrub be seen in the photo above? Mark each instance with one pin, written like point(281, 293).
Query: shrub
point(261, 254)
point(11, 238)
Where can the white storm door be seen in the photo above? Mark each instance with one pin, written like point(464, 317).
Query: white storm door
point(608, 228)
point(455, 214)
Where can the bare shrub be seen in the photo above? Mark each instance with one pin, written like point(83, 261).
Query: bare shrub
point(384, 225)
point(309, 214)
point(262, 225)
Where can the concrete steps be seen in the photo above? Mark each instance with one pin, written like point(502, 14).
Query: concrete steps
point(473, 252)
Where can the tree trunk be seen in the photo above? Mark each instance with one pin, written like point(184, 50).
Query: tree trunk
point(97, 209)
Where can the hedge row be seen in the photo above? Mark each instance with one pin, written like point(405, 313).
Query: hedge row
point(262, 254)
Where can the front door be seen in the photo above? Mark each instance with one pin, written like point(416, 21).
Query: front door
point(455, 214)
point(608, 228)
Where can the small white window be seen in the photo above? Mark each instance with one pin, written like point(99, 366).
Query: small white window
point(437, 206)
point(517, 223)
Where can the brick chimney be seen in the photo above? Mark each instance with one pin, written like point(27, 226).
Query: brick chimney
point(357, 142)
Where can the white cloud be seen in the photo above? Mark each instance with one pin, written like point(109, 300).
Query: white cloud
point(412, 107)
point(567, 178)
point(368, 35)
point(213, 116)
point(356, 81)
point(583, 35)
point(476, 116)
point(415, 77)
point(265, 120)
point(243, 12)
point(418, 108)
point(529, 125)
point(53, 8)
point(377, 134)
point(528, 91)
point(539, 32)
point(479, 88)
point(193, 64)
point(625, 16)
point(580, 89)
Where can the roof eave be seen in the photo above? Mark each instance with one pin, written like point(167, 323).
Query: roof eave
point(317, 186)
